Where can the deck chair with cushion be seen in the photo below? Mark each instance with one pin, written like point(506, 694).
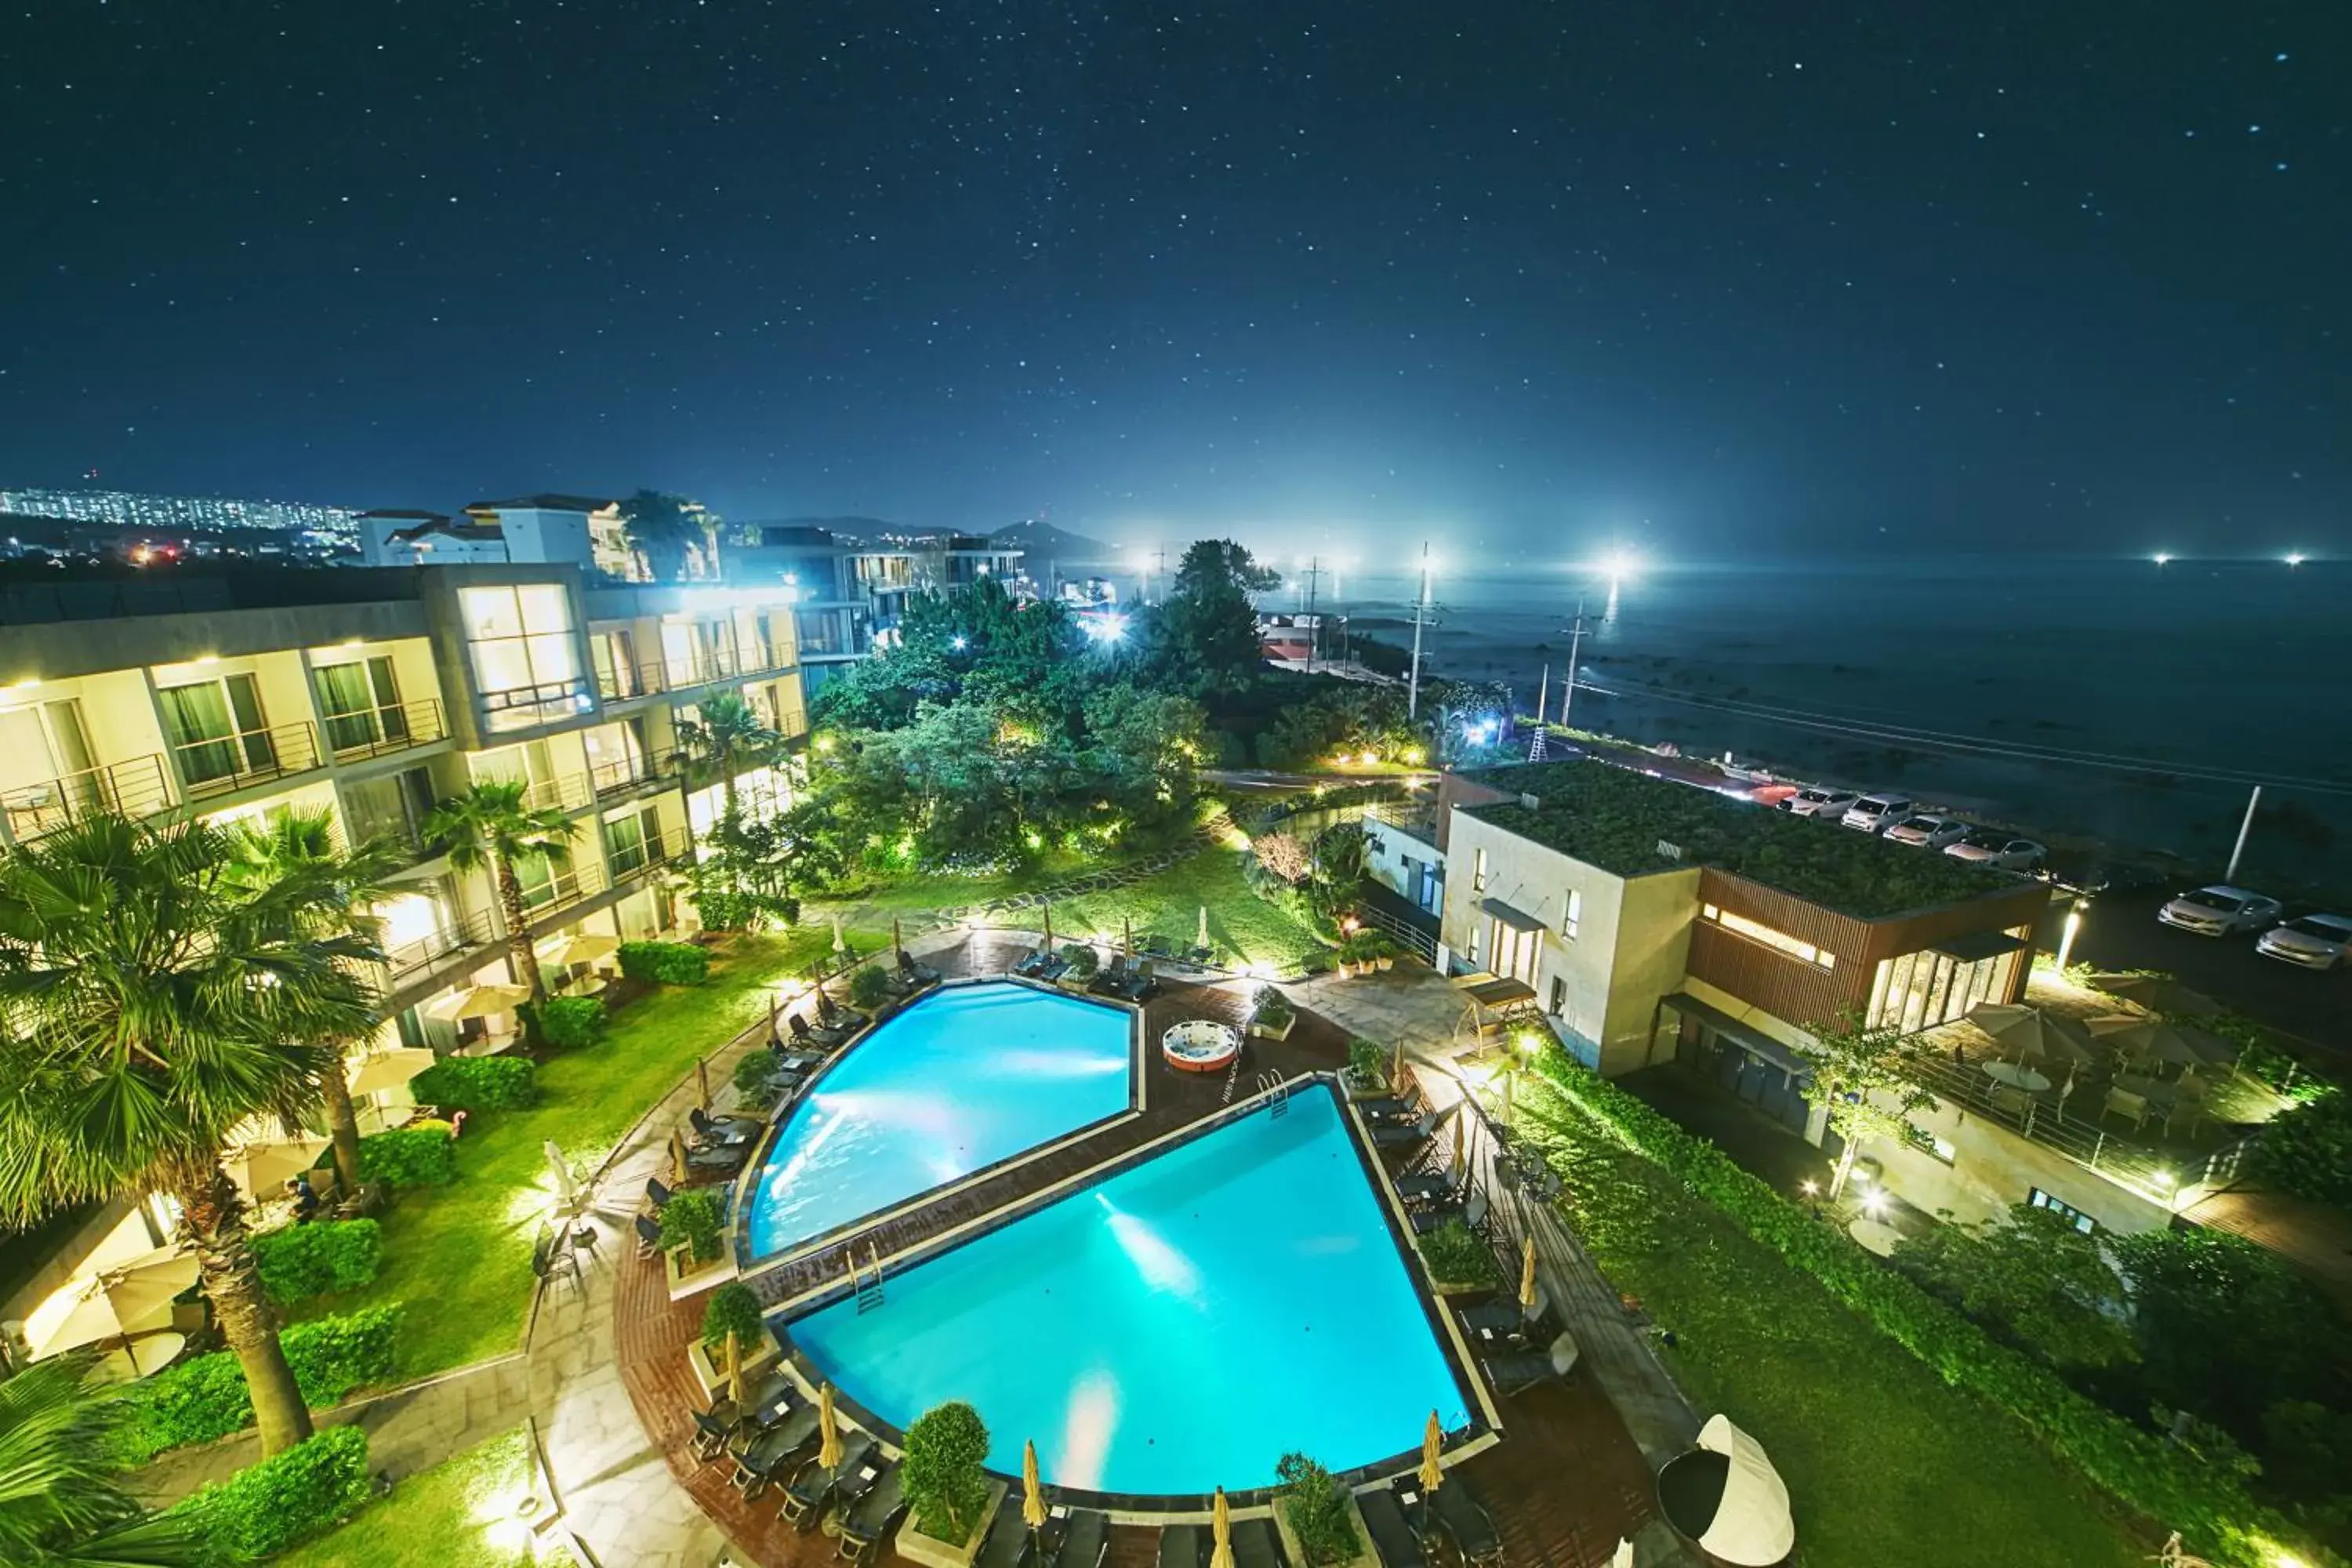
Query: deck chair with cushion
point(1504, 1316)
point(1381, 1109)
point(1517, 1373)
point(832, 1015)
point(1463, 1521)
point(1139, 985)
point(1428, 1187)
point(1471, 1212)
point(657, 1193)
point(814, 1489)
point(1256, 1545)
point(1009, 1543)
point(717, 1131)
point(1083, 1541)
point(1112, 976)
point(717, 1158)
point(810, 1037)
point(792, 1064)
point(1393, 1538)
point(1406, 1134)
point(1183, 1546)
point(873, 1516)
point(769, 1454)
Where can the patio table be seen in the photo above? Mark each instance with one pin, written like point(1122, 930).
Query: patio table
point(2012, 1075)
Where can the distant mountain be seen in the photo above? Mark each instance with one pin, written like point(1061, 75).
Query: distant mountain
point(1044, 542)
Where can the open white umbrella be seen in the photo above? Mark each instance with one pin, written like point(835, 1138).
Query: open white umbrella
point(265, 1165)
point(126, 1298)
point(565, 1192)
point(1726, 1496)
point(564, 951)
point(386, 1070)
point(478, 1002)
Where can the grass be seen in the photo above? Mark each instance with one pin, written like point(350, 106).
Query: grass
point(1885, 1462)
point(1241, 924)
point(460, 1256)
point(458, 1514)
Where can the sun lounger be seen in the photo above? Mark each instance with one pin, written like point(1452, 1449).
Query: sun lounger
point(1053, 969)
point(1112, 976)
point(649, 1242)
point(769, 1453)
point(808, 1034)
point(717, 1158)
point(1031, 962)
point(921, 974)
point(1466, 1523)
point(1427, 1187)
point(1471, 1212)
point(813, 1490)
point(1183, 1546)
point(1387, 1107)
point(1517, 1373)
point(832, 1015)
point(710, 1434)
point(1009, 1541)
point(1405, 1135)
point(1139, 985)
point(1083, 1541)
point(1504, 1316)
point(717, 1131)
point(792, 1064)
point(656, 1193)
point(1392, 1537)
point(871, 1517)
point(1256, 1545)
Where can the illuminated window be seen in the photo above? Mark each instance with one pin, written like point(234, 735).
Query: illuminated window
point(1574, 918)
point(525, 660)
point(2043, 1200)
point(1779, 940)
point(1478, 873)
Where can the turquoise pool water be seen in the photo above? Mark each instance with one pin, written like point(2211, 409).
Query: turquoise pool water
point(1175, 1329)
point(967, 1077)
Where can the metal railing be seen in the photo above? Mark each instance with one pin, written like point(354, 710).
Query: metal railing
point(220, 764)
point(1418, 818)
point(2148, 1172)
point(461, 935)
point(138, 787)
point(627, 775)
point(630, 859)
point(565, 792)
point(623, 682)
point(542, 704)
point(378, 732)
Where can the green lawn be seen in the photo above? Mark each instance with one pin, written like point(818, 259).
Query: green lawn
point(1885, 1462)
point(458, 1514)
point(460, 1256)
point(1241, 924)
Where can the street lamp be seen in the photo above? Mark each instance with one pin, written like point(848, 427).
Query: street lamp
point(2074, 926)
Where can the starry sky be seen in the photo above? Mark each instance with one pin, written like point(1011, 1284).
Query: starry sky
point(1739, 278)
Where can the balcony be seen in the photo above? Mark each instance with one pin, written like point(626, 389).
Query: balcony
point(222, 765)
point(411, 959)
point(647, 854)
point(526, 707)
point(629, 775)
point(625, 682)
point(380, 732)
point(136, 788)
point(568, 792)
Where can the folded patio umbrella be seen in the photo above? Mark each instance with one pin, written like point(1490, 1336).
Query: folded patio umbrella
point(1527, 1273)
point(478, 1002)
point(2158, 991)
point(1033, 1496)
point(1221, 1534)
point(828, 1442)
point(1726, 1496)
point(734, 1370)
point(126, 1298)
point(267, 1163)
point(1432, 1442)
point(2166, 1042)
point(2030, 1032)
point(386, 1070)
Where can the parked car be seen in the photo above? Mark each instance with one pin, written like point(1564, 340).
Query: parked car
point(1829, 803)
point(1985, 847)
point(2219, 910)
point(1928, 831)
point(2314, 942)
point(1876, 812)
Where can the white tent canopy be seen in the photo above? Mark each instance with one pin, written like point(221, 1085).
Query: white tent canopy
point(1752, 1524)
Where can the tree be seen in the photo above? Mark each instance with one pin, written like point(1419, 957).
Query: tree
point(663, 529)
point(724, 730)
point(2033, 1275)
point(1860, 1078)
point(61, 1504)
point(2307, 1149)
point(743, 879)
point(156, 1004)
point(945, 1450)
point(304, 839)
point(1204, 638)
point(491, 824)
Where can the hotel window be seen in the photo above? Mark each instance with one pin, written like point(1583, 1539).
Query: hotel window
point(216, 730)
point(2042, 1200)
point(1478, 873)
point(1558, 995)
point(46, 775)
point(1779, 940)
point(1920, 990)
point(631, 840)
point(525, 660)
point(360, 702)
point(1574, 918)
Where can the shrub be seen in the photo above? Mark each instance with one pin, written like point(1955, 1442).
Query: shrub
point(477, 1083)
point(757, 1084)
point(693, 1219)
point(665, 962)
point(1272, 1008)
point(735, 1309)
point(1080, 957)
point(2139, 1468)
point(571, 1021)
point(1367, 1062)
point(869, 988)
point(421, 1156)
point(1457, 1257)
point(319, 1258)
point(287, 1498)
point(199, 1400)
point(1316, 1508)
point(2307, 1151)
point(945, 1483)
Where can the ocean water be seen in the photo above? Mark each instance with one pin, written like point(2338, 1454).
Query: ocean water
point(2147, 676)
point(1175, 1329)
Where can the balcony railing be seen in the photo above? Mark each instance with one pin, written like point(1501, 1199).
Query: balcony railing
point(623, 682)
point(629, 859)
point(2087, 1144)
point(224, 763)
point(566, 792)
point(378, 732)
point(628, 774)
point(139, 787)
point(462, 935)
point(522, 707)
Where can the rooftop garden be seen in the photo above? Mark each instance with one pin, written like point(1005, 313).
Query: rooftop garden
point(1615, 818)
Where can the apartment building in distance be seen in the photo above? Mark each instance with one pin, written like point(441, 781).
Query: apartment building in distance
point(849, 595)
point(536, 530)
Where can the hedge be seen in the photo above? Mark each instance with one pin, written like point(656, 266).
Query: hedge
point(423, 1155)
point(694, 1219)
point(284, 1500)
point(477, 1083)
point(573, 1021)
point(315, 1259)
point(2164, 1482)
point(206, 1398)
point(667, 962)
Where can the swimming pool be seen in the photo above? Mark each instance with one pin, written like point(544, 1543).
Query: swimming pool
point(962, 1079)
point(1175, 1328)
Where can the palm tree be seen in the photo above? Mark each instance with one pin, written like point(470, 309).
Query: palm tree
point(491, 824)
point(305, 837)
point(59, 1505)
point(663, 528)
point(725, 728)
point(152, 1005)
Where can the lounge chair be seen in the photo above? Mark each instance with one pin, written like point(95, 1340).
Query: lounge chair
point(1427, 1187)
point(656, 1193)
point(1472, 1212)
point(1030, 963)
point(1139, 984)
point(1392, 1538)
point(649, 1241)
point(832, 1015)
point(1159, 947)
point(1517, 1373)
point(1256, 1545)
point(1083, 1541)
point(872, 1517)
point(812, 1490)
point(1112, 976)
point(920, 974)
point(1053, 969)
point(710, 1434)
point(794, 1064)
point(717, 1131)
point(1387, 1107)
point(717, 1158)
point(1504, 1316)
point(1010, 1541)
point(769, 1453)
point(1183, 1546)
point(1451, 1513)
point(824, 1041)
point(1406, 1134)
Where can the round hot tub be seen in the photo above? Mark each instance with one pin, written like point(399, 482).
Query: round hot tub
point(1201, 1045)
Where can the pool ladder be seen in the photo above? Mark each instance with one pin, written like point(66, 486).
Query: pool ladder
point(1272, 1083)
point(868, 1286)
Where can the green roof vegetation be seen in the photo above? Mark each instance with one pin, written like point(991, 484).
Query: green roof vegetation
point(1615, 818)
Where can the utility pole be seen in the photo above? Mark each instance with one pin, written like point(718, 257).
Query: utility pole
point(1543, 694)
point(1420, 619)
point(2243, 828)
point(1568, 684)
point(1314, 627)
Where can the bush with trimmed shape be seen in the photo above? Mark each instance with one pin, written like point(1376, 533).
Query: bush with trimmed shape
point(945, 1448)
point(693, 1219)
point(419, 1155)
point(665, 962)
point(206, 1398)
point(318, 1259)
point(573, 1021)
point(286, 1499)
point(478, 1083)
point(733, 1309)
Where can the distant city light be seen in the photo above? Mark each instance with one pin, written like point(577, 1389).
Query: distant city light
point(1618, 565)
point(2161, 558)
point(2296, 558)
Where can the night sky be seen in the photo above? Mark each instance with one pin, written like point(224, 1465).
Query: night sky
point(1750, 277)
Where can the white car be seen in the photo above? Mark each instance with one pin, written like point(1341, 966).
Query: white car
point(1829, 803)
point(1927, 831)
point(2219, 910)
point(2314, 942)
point(1876, 812)
point(1984, 846)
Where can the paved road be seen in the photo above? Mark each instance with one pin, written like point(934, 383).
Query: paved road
point(2122, 932)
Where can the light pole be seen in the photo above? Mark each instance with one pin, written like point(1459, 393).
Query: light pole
point(1575, 642)
point(1420, 619)
point(2072, 928)
point(2244, 828)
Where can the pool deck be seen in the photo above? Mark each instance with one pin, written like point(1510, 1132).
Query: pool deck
point(1564, 1483)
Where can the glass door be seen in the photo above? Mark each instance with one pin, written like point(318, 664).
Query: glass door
point(216, 729)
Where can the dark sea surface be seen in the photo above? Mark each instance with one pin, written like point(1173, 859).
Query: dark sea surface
point(2146, 677)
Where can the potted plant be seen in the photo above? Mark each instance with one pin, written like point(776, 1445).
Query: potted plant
point(1367, 1068)
point(1458, 1260)
point(950, 1498)
point(693, 1240)
point(1080, 957)
point(732, 1308)
point(1316, 1517)
point(1273, 1018)
point(1383, 951)
point(869, 989)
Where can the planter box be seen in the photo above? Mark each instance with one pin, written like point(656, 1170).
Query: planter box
point(684, 1282)
point(1268, 1032)
point(709, 1362)
point(1364, 1558)
point(916, 1547)
point(1386, 964)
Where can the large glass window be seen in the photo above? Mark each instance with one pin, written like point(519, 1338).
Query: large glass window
point(216, 729)
point(394, 807)
point(525, 660)
point(1780, 941)
point(1571, 921)
point(360, 702)
point(1920, 989)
